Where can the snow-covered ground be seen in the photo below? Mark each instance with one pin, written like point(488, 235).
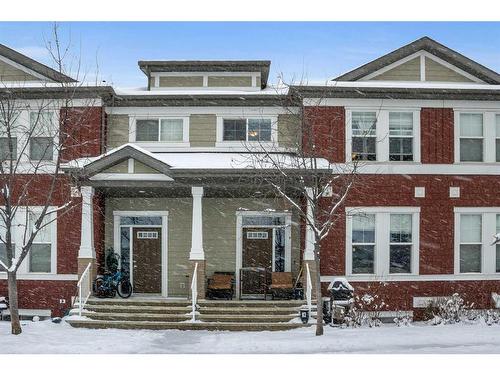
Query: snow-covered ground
point(47, 337)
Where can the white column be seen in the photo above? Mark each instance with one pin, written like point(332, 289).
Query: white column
point(87, 228)
point(197, 252)
point(310, 241)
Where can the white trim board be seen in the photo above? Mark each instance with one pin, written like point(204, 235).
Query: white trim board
point(164, 239)
point(402, 103)
point(416, 278)
point(186, 111)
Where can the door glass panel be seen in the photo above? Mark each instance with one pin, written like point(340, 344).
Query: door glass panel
point(279, 250)
point(140, 220)
point(125, 249)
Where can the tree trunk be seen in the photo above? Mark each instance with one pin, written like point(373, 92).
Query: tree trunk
point(319, 301)
point(13, 303)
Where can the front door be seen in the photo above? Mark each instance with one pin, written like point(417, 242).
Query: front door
point(146, 260)
point(257, 259)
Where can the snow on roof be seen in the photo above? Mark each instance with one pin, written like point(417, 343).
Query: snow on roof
point(269, 90)
point(399, 84)
point(209, 160)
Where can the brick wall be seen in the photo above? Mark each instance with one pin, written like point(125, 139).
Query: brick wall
point(437, 133)
point(324, 129)
point(81, 132)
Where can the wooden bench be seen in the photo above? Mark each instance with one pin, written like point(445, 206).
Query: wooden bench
point(220, 285)
point(27, 314)
point(281, 285)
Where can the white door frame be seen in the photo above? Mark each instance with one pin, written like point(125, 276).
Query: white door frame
point(239, 239)
point(164, 244)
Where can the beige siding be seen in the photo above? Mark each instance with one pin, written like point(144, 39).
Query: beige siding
point(409, 71)
point(202, 130)
point(289, 130)
point(10, 73)
point(118, 130)
point(434, 71)
point(178, 236)
point(181, 81)
point(229, 81)
point(219, 232)
point(142, 168)
point(118, 168)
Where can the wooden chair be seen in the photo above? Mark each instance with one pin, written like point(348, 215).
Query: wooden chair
point(220, 285)
point(281, 284)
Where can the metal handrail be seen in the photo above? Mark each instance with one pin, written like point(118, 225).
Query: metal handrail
point(194, 292)
point(84, 289)
point(309, 290)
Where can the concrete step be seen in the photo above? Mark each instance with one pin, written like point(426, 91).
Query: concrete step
point(187, 325)
point(267, 310)
point(138, 309)
point(251, 303)
point(137, 302)
point(136, 317)
point(263, 319)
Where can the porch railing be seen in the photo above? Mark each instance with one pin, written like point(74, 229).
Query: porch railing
point(194, 292)
point(308, 289)
point(84, 289)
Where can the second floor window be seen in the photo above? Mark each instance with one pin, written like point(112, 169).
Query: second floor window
point(400, 136)
point(41, 145)
point(471, 137)
point(497, 137)
point(160, 130)
point(364, 135)
point(252, 130)
point(8, 151)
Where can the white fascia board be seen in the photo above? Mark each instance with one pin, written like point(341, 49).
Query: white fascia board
point(402, 103)
point(397, 168)
point(416, 278)
point(383, 209)
point(186, 111)
point(130, 177)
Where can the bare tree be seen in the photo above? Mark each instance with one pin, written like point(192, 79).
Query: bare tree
point(300, 170)
point(39, 131)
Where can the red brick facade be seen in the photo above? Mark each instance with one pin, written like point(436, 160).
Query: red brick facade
point(324, 130)
point(436, 129)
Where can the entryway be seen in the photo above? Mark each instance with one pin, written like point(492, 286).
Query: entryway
point(141, 241)
point(264, 246)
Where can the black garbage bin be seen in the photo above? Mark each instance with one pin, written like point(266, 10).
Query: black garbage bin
point(341, 299)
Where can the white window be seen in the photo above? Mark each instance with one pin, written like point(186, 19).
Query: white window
point(3, 248)
point(247, 129)
point(471, 137)
point(364, 135)
point(470, 243)
point(8, 151)
point(497, 137)
point(474, 229)
point(40, 256)
point(400, 243)
point(41, 140)
point(400, 136)
point(382, 241)
point(167, 130)
point(363, 244)
point(383, 135)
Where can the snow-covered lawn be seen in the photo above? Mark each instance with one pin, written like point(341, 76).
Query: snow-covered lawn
point(47, 337)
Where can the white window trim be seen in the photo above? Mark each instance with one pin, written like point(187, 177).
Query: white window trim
point(245, 145)
point(382, 244)
point(488, 229)
point(18, 236)
point(159, 145)
point(489, 135)
point(382, 134)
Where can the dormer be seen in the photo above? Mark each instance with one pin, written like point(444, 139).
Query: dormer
point(206, 75)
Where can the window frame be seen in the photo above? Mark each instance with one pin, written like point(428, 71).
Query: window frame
point(374, 244)
point(382, 240)
point(400, 243)
point(382, 133)
point(18, 237)
point(412, 137)
point(159, 144)
point(488, 229)
point(220, 142)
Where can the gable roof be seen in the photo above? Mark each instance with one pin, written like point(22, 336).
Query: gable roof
point(34, 66)
point(121, 154)
point(424, 44)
